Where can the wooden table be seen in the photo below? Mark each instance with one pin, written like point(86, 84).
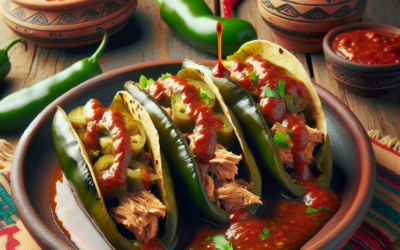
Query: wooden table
point(146, 37)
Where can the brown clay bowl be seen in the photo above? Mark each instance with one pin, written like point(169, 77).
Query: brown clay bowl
point(301, 25)
point(35, 161)
point(359, 78)
point(65, 24)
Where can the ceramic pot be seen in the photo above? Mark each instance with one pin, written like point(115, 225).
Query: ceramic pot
point(359, 78)
point(68, 23)
point(302, 24)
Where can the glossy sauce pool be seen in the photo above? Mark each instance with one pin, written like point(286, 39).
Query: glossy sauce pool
point(70, 217)
point(75, 223)
point(278, 214)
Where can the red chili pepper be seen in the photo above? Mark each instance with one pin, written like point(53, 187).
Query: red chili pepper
point(228, 7)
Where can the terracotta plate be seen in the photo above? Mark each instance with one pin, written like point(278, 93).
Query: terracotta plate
point(35, 159)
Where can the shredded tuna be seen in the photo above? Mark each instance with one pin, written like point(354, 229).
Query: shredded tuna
point(145, 158)
point(234, 195)
point(192, 147)
point(314, 136)
point(223, 165)
point(286, 155)
point(208, 185)
point(138, 211)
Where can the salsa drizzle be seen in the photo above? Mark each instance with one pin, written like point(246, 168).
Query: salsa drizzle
point(207, 123)
point(98, 119)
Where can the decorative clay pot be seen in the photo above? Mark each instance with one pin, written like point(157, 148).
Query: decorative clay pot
point(68, 23)
point(301, 25)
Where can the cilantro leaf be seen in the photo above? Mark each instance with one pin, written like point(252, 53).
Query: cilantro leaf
point(220, 243)
point(150, 81)
point(253, 75)
point(144, 82)
point(204, 96)
point(265, 233)
point(326, 208)
point(106, 132)
point(208, 238)
point(165, 76)
point(312, 210)
point(281, 88)
point(288, 132)
point(269, 92)
point(280, 139)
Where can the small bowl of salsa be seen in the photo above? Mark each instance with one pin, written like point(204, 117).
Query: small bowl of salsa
point(364, 57)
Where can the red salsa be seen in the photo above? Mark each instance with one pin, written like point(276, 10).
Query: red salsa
point(98, 118)
point(207, 123)
point(288, 224)
point(367, 46)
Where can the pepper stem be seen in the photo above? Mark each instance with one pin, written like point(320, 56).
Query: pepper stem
point(96, 56)
point(18, 40)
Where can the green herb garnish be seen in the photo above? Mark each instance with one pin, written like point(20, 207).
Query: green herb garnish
point(208, 238)
point(314, 210)
point(253, 75)
point(220, 243)
point(144, 82)
point(106, 132)
point(165, 76)
point(295, 211)
point(281, 88)
point(288, 132)
point(269, 92)
point(204, 96)
point(280, 139)
point(265, 233)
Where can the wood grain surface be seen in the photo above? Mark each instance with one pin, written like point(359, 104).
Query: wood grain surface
point(146, 37)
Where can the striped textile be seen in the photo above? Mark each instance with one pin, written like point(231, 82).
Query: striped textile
point(381, 227)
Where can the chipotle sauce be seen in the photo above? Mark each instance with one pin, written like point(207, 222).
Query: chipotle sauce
point(207, 123)
point(98, 117)
point(367, 46)
point(288, 224)
point(274, 108)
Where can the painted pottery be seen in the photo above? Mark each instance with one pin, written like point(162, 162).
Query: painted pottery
point(35, 161)
point(68, 23)
point(359, 78)
point(302, 24)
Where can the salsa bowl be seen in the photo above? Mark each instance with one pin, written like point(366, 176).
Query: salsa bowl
point(362, 79)
point(35, 162)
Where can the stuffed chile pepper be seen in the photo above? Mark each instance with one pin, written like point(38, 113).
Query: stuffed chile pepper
point(273, 98)
point(211, 161)
point(112, 158)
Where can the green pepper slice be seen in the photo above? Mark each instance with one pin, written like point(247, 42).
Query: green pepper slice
point(180, 118)
point(257, 132)
point(226, 136)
